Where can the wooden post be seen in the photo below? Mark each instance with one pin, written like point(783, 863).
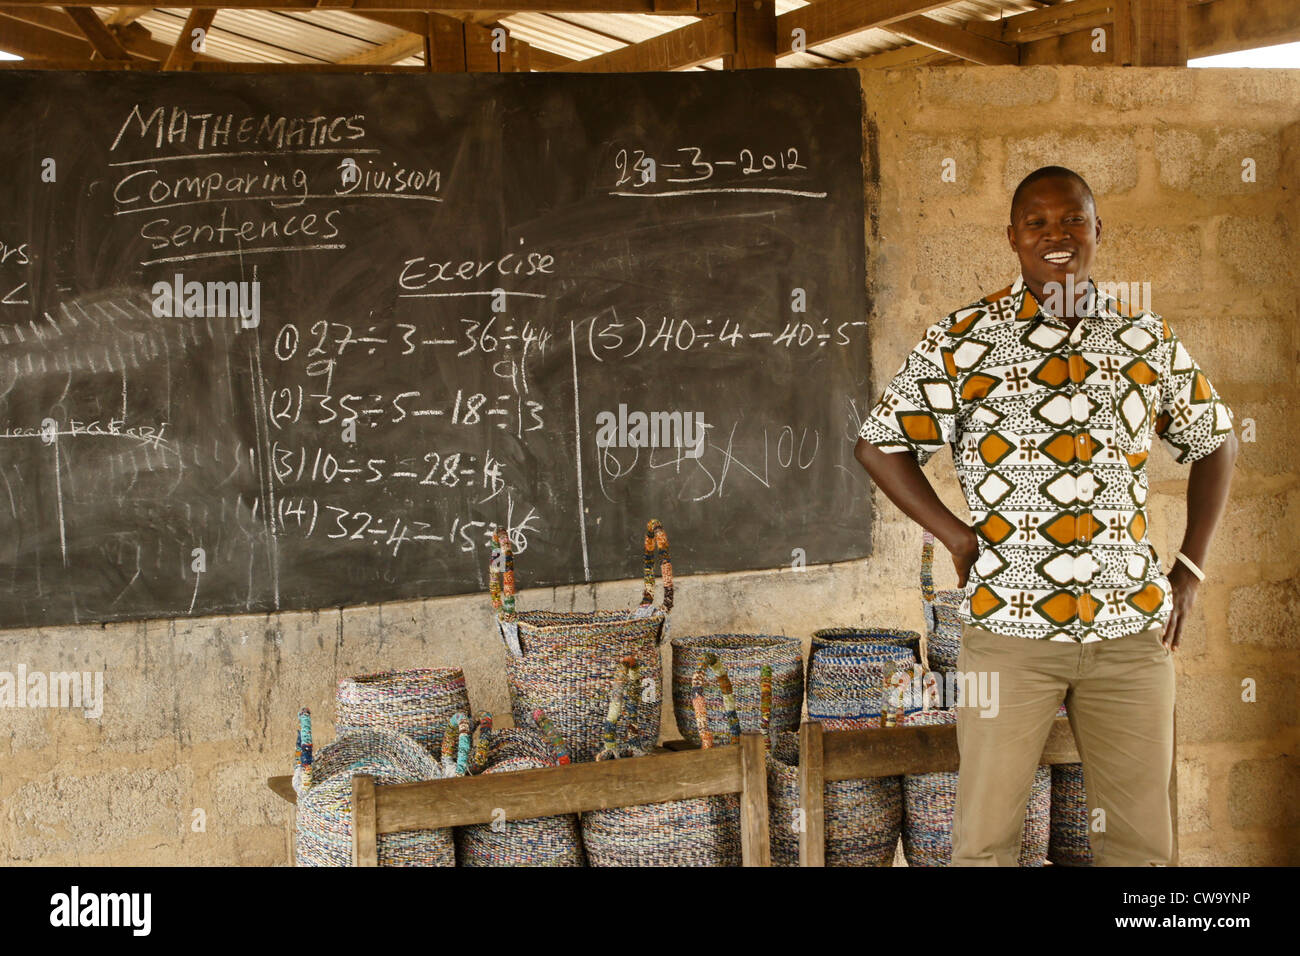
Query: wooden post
point(755, 45)
point(755, 846)
point(812, 785)
point(365, 842)
point(1150, 33)
point(446, 45)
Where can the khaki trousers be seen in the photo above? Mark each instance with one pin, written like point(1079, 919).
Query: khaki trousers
point(1120, 698)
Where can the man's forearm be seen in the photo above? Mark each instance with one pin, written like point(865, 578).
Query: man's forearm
point(901, 479)
point(1207, 497)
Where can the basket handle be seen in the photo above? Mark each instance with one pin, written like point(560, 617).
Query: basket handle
point(456, 746)
point(765, 706)
point(927, 566)
point(623, 692)
point(552, 735)
point(710, 661)
point(478, 758)
point(501, 575)
point(302, 758)
point(656, 541)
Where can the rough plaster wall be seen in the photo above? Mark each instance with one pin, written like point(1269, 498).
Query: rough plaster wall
point(198, 713)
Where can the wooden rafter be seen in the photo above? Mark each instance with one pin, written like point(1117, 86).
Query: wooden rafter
point(705, 39)
point(121, 16)
point(105, 43)
point(182, 55)
point(956, 41)
point(410, 6)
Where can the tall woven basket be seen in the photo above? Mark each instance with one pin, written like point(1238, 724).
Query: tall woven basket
point(743, 656)
point(563, 661)
point(698, 831)
point(846, 684)
point(863, 818)
point(415, 702)
point(930, 799)
point(1069, 844)
point(539, 841)
point(324, 808)
point(943, 620)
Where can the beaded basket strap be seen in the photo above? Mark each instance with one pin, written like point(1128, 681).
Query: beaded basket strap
point(303, 755)
point(656, 541)
point(765, 706)
point(632, 703)
point(927, 566)
point(456, 746)
point(552, 735)
point(478, 758)
point(617, 691)
point(501, 575)
point(710, 662)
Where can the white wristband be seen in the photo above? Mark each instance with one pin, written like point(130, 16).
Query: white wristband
point(1190, 566)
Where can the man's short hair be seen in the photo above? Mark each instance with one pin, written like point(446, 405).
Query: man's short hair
point(1050, 172)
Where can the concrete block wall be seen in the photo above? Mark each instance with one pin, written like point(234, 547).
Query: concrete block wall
point(199, 712)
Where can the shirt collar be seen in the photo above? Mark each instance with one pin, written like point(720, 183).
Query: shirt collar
point(1028, 306)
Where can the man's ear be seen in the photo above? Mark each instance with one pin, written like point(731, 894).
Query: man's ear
point(1099, 230)
point(1011, 234)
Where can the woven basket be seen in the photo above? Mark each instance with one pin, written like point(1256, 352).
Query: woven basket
point(863, 818)
point(846, 684)
point(1069, 844)
point(930, 799)
point(563, 661)
point(416, 703)
point(324, 809)
point(841, 637)
point(743, 656)
point(699, 831)
point(943, 620)
point(539, 841)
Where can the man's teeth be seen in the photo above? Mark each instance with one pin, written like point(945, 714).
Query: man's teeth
point(1058, 256)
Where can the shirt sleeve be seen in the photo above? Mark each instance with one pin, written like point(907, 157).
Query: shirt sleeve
point(1192, 419)
point(917, 411)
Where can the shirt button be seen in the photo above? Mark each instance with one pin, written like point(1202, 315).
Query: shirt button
point(1086, 485)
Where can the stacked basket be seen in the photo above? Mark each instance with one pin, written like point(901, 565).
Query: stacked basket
point(415, 703)
point(743, 656)
point(943, 620)
point(847, 673)
point(563, 661)
point(325, 806)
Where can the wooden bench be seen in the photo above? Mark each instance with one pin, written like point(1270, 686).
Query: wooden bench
point(576, 788)
point(827, 756)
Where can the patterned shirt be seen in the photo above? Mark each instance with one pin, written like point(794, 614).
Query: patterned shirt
point(1050, 431)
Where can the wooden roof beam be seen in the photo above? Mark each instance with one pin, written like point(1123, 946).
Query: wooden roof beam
point(182, 55)
point(32, 41)
point(828, 20)
point(706, 39)
point(105, 43)
point(956, 41)
point(123, 16)
point(413, 6)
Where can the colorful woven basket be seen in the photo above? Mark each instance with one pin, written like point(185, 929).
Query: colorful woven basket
point(539, 841)
point(842, 637)
point(563, 661)
point(698, 831)
point(846, 685)
point(416, 703)
point(863, 818)
point(930, 799)
point(324, 809)
point(943, 620)
point(1069, 844)
point(743, 656)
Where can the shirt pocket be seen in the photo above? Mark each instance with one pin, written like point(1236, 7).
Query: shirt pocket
point(1134, 408)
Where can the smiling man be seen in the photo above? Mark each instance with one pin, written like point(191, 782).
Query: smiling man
point(1051, 418)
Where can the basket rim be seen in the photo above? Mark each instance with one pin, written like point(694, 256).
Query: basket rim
point(379, 677)
point(710, 641)
point(897, 633)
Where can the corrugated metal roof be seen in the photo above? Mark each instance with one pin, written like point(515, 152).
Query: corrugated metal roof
point(319, 36)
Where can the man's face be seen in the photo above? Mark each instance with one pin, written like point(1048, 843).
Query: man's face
point(1055, 232)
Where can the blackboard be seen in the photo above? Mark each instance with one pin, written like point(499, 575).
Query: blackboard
point(412, 307)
